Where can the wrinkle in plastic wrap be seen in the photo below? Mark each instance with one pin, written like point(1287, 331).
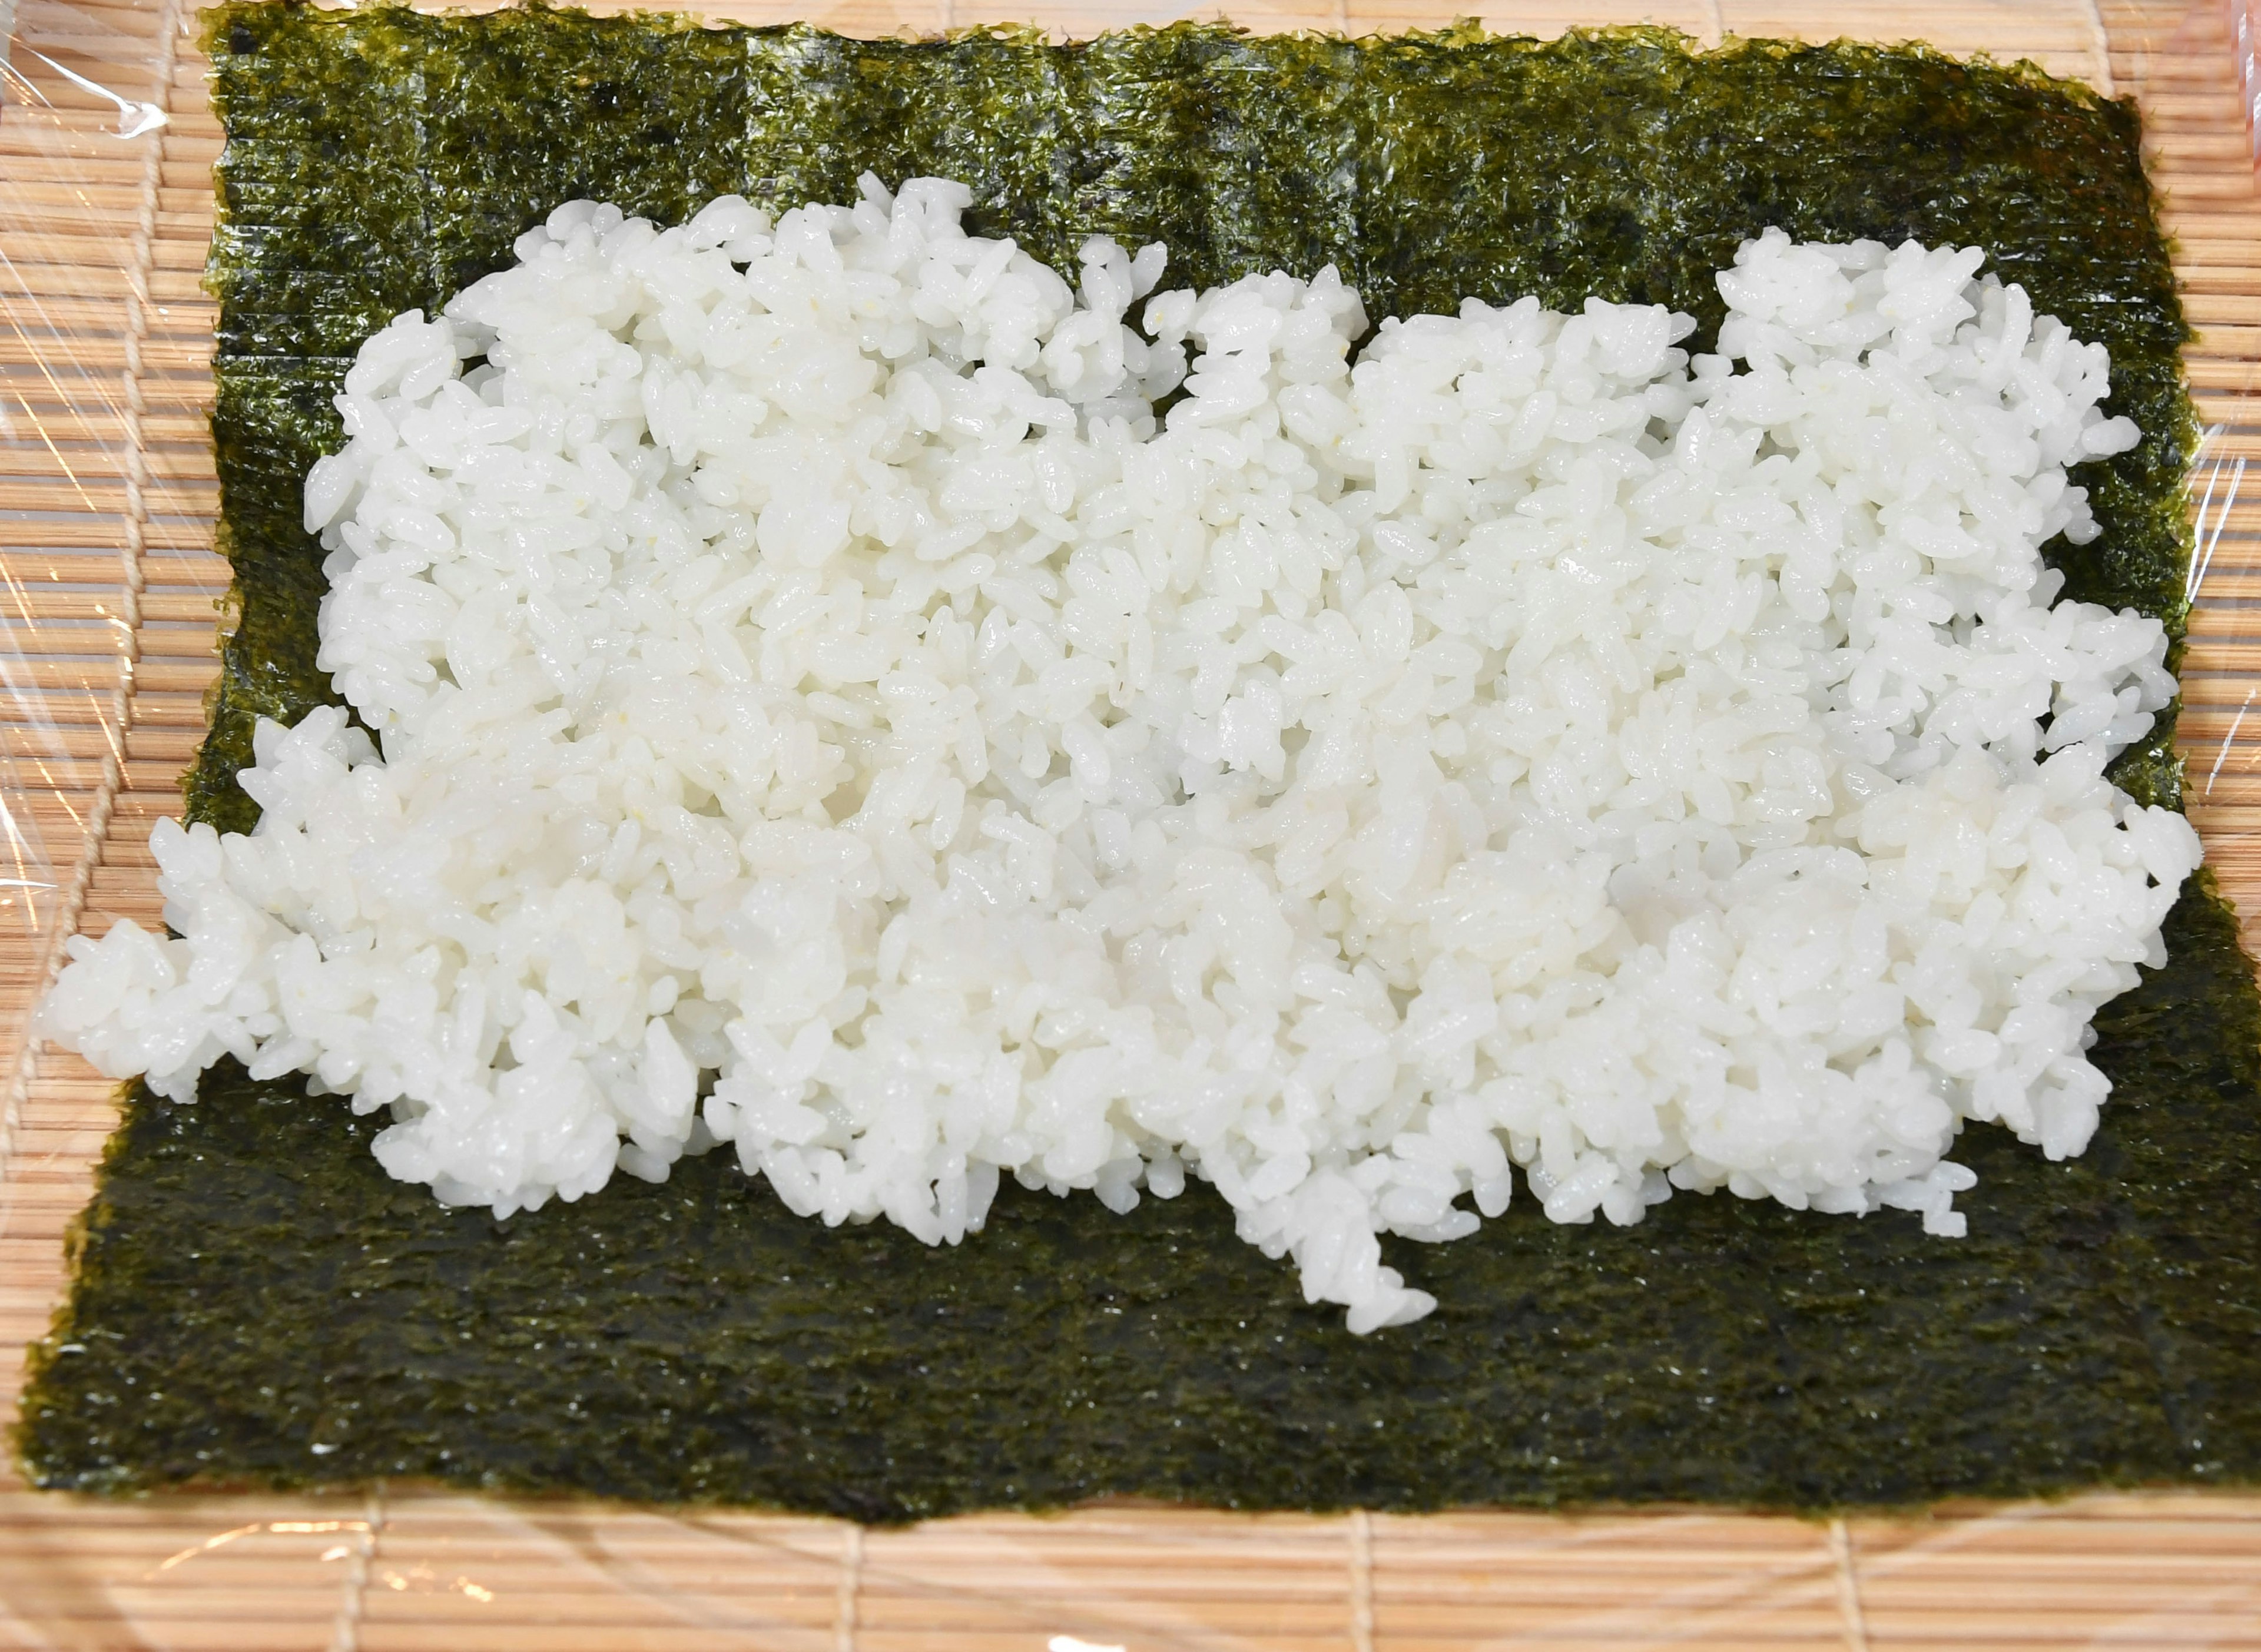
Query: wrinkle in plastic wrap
point(107, 590)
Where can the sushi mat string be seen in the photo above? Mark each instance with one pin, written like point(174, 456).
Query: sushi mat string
point(1361, 1581)
point(345, 1629)
point(1848, 1589)
point(2100, 47)
point(852, 1581)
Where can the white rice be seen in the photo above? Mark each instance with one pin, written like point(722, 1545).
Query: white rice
point(823, 711)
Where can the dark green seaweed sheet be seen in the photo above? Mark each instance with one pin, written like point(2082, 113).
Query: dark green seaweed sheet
point(256, 1301)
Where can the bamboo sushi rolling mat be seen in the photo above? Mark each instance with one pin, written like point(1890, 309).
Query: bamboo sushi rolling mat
point(106, 506)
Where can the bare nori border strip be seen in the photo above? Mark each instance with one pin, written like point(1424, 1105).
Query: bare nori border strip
point(256, 1301)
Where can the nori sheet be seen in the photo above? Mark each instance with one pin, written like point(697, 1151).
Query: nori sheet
point(254, 1302)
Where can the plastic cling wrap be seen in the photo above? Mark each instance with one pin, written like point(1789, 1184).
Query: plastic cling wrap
point(107, 506)
point(108, 524)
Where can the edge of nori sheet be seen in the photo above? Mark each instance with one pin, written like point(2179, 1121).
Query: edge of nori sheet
point(2097, 1328)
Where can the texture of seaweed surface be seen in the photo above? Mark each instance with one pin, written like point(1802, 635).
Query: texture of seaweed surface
point(256, 1301)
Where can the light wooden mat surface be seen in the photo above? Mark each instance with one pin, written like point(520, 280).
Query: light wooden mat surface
point(106, 619)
